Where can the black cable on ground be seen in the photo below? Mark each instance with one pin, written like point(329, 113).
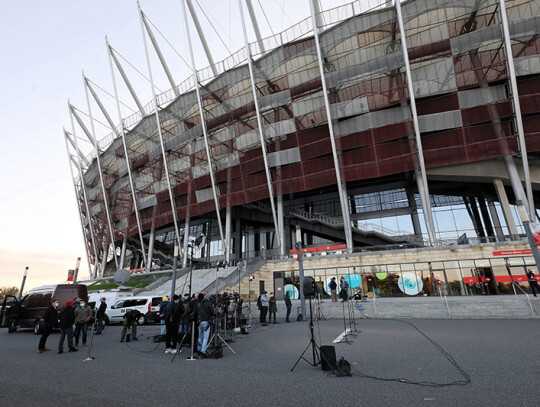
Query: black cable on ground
point(447, 356)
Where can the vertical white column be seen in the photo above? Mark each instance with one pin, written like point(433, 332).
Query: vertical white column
point(101, 177)
point(340, 185)
point(70, 158)
point(259, 124)
point(151, 248)
point(203, 125)
point(160, 132)
point(281, 225)
point(128, 163)
point(228, 220)
point(425, 196)
point(517, 109)
point(123, 253)
point(88, 213)
point(185, 253)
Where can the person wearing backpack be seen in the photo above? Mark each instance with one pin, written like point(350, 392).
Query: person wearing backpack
point(67, 319)
point(184, 319)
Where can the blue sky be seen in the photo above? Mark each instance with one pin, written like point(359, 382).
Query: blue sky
point(45, 46)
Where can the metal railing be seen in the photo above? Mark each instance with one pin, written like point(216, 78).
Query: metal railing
point(443, 297)
point(514, 285)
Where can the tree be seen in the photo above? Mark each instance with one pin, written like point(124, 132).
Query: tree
point(6, 290)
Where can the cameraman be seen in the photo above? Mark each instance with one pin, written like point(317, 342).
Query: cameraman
point(130, 322)
point(205, 311)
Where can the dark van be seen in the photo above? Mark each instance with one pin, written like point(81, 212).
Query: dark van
point(34, 304)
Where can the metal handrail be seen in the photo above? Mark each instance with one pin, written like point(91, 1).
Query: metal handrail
point(514, 285)
point(445, 300)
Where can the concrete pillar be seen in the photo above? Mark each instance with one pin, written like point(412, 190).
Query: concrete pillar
point(505, 205)
point(238, 235)
point(414, 215)
point(496, 222)
point(281, 226)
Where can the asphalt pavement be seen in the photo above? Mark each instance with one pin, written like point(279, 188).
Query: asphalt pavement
point(500, 357)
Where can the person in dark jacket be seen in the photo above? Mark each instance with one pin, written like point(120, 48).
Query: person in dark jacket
point(100, 316)
point(333, 289)
point(288, 304)
point(67, 319)
point(172, 321)
point(205, 311)
point(51, 321)
point(13, 315)
point(533, 283)
point(344, 290)
point(272, 308)
point(162, 308)
point(130, 322)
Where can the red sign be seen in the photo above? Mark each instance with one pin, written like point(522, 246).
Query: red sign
point(137, 270)
point(500, 279)
point(70, 275)
point(513, 252)
point(318, 249)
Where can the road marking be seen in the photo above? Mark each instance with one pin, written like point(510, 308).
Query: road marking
point(340, 337)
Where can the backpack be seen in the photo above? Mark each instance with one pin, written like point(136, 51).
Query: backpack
point(186, 309)
point(215, 352)
point(259, 302)
point(343, 368)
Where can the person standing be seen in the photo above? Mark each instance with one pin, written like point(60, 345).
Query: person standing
point(333, 289)
point(162, 308)
point(272, 308)
point(83, 314)
point(533, 283)
point(264, 308)
point(13, 315)
point(130, 322)
point(100, 316)
point(67, 319)
point(51, 321)
point(288, 304)
point(344, 289)
point(186, 306)
point(172, 321)
point(205, 311)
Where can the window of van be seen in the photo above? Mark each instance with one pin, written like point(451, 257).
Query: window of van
point(119, 304)
point(156, 301)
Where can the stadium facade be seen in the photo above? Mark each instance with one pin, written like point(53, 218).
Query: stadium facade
point(405, 125)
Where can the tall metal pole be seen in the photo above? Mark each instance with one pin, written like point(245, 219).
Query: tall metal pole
point(301, 276)
point(259, 124)
point(23, 283)
point(112, 56)
point(70, 158)
point(128, 164)
point(160, 132)
point(101, 107)
point(527, 226)
point(340, 185)
point(517, 108)
point(88, 213)
point(200, 32)
point(426, 204)
point(101, 176)
point(203, 125)
point(255, 24)
point(158, 51)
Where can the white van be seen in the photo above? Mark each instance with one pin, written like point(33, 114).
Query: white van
point(147, 306)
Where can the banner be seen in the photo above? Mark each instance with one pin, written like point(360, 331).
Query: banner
point(70, 275)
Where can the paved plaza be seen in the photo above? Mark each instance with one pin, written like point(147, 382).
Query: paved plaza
point(500, 356)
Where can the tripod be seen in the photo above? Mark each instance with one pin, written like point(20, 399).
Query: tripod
point(347, 331)
point(319, 314)
point(314, 347)
point(213, 342)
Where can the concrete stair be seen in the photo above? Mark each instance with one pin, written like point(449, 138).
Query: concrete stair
point(466, 307)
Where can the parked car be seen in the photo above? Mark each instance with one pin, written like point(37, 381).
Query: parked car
point(34, 304)
point(111, 297)
point(147, 306)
